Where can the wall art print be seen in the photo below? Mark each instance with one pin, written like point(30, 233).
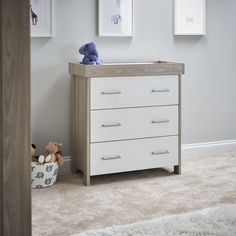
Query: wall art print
point(190, 17)
point(115, 18)
point(41, 18)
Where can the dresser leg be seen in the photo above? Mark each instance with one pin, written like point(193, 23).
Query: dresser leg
point(177, 169)
point(86, 180)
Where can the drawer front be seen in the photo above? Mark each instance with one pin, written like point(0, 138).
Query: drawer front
point(129, 123)
point(118, 92)
point(120, 156)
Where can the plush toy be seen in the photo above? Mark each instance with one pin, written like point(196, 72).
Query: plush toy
point(33, 152)
point(90, 53)
point(52, 154)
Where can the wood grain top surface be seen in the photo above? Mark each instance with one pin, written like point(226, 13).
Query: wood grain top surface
point(116, 69)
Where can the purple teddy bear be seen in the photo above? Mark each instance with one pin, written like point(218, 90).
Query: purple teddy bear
point(90, 53)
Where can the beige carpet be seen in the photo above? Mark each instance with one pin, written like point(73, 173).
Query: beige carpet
point(69, 207)
point(216, 221)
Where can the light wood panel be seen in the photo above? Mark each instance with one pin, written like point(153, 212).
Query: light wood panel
point(81, 131)
point(73, 125)
point(177, 168)
point(126, 69)
point(15, 170)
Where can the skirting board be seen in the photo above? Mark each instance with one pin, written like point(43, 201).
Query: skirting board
point(208, 148)
point(188, 150)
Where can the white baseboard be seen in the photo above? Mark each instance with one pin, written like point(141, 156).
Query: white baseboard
point(208, 148)
point(188, 150)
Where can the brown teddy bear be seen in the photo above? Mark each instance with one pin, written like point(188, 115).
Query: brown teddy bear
point(52, 154)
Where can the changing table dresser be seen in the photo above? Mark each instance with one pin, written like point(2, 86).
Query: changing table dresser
point(125, 117)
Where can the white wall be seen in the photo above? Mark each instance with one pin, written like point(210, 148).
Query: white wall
point(209, 84)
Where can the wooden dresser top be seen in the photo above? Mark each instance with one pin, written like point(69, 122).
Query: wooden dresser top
point(115, 69)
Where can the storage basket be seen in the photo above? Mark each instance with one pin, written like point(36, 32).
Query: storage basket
point(43, 175)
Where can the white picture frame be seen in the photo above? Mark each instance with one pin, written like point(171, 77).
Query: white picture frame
point(115, 18)
point(41, 18)
point(190, 17)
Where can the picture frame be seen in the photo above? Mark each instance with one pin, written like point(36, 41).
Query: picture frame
point(41, 18)
point(115, 18)
point(190, 17)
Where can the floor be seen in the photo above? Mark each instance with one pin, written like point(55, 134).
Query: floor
point(70, 207)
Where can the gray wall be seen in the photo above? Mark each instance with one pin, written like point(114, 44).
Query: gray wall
point(209, 84)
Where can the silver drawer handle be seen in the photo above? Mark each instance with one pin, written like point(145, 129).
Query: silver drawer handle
point(111, 158)
point(160, 152)
point(111, 92)
point(160, 90)
point(111, 125)
point(160, 121)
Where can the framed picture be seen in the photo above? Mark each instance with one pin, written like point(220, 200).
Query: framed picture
point(115, 18)
point(41, 18)
point(190, 17)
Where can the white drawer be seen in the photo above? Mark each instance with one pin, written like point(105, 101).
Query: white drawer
point(129, 123)
point(116, 92)
point(113, 157)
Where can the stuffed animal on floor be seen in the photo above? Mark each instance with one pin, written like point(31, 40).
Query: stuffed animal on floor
point(33, 152)
point(52, 154)
point(90, 53)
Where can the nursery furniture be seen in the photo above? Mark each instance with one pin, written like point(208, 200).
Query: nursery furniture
point(125, 117)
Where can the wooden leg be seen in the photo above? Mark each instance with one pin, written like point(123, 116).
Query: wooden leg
point(177, 169)
point(86, 180)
